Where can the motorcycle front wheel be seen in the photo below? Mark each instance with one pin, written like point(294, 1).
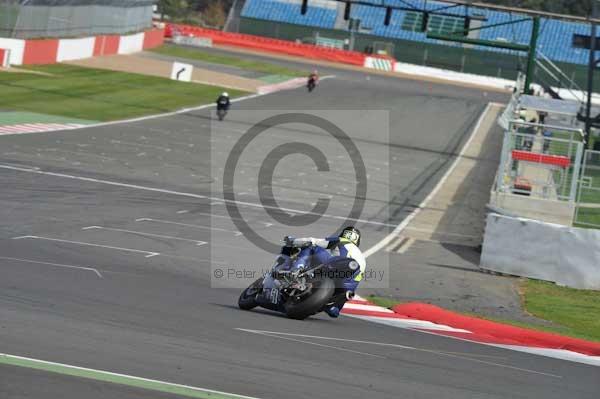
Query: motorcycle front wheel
point(247, 298)
point(322, 292)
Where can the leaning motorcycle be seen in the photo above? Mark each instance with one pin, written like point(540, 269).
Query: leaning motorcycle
point(311, 84)
point(299, 293)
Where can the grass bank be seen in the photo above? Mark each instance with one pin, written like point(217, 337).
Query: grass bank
point(99, 95)
point(198, 54)
point(574, 313)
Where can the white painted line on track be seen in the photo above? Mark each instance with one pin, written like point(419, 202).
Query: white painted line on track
point(463, 356)
point(149, 253)
point(91, 269)
point(197, 242)
point(395, 242)
point(276, 335)
point(182, 211)
point(406, 245)
point(399, 228)
point(195, 226)
point(266, 224)
point(185, 194)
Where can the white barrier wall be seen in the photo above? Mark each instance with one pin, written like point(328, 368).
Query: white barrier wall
point(382, 64)
point(75, 49)
point(131, 44)
point(16, 47)
point(523, 247)
point(4, 55)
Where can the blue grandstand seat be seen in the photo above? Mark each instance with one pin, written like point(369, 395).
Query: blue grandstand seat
point(554, 41)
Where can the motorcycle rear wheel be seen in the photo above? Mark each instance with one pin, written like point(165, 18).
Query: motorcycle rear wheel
point(323, 291)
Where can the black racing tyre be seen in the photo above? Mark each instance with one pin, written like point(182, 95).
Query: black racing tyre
point(323, 291)
point(247, 298)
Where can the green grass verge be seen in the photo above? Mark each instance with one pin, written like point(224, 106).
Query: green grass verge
point(99, 95)
point(588, 218)
point(574, 313)
point(198, 54)
point(578, 311)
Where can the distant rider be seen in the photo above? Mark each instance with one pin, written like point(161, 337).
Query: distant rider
point(346, 245)
point(314, 77)
point(223, 101)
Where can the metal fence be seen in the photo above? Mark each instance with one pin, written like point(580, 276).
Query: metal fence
point(26, 19)
point(540, 161)
point(461, 58)
point(587, 213)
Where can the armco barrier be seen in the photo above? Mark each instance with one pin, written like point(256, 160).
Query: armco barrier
point(40, 51)
point(268, 44)
point(545, 251)
point(4, 54)
point(153, 38)
point(106, 45)
point(50, 51)
point(16, 47)
point(380, 63)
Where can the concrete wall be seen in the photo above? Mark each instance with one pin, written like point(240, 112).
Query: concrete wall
point(523, 247)
point(50, 51)
point(550, 211)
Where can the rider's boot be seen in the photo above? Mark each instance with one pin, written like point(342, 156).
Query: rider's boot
point(333, 311)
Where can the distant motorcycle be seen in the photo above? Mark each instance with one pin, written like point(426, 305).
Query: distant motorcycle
point(298, 293)
point(221, 112)
point(311, 84)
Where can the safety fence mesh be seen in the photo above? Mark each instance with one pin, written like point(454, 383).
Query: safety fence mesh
point(27, 19)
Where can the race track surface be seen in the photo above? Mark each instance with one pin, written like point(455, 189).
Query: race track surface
point(111, 237)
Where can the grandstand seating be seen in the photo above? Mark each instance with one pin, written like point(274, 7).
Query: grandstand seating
point(555, 38)
point(289, 11)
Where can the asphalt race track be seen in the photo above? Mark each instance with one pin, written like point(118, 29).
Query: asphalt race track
point(111, 237)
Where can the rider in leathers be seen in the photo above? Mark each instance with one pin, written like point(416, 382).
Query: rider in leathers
point(346, 244)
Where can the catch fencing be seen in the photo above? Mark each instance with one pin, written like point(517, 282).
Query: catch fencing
point(587, 213)
point(540, 161)
point(28, 19)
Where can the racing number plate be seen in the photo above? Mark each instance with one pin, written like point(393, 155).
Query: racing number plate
point(274, 296)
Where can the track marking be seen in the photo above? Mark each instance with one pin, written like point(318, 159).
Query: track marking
point(149, 254)
point(115, 378)
point(275, 335)
point(196, 226)
point(91, 269)
point(198, 242)
point(395, 242)
point(214, 200)
point(267, 224)
point(457, 355)
point(399, 228)
point(405, 246)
